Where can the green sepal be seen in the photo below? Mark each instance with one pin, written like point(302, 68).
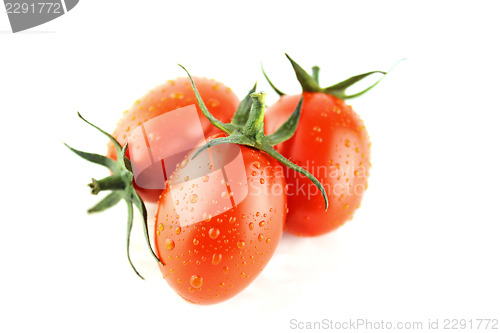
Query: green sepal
point(214, 121)
point(240, 117)
point(130, 222)
point(120, 183)
point(117, 145)
point(306, 81)
point(288, 128)
point(280, 158)
point(252, 134)
point(338, 90)
point(109, 201)
point(233, 138)
point(276, 90)
point(310, 82)
point(96, 158)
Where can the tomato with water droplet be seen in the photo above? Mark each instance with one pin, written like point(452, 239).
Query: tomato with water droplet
point(331, 142)
point(167, 97)
point(216, 258)
point(340, 160)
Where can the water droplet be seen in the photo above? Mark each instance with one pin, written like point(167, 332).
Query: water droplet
point(257, 214)
point(177, 95)
point(256, 165)
point(184, 163)
point(232, 219)
point(207, 217)
point(195, 241)
point(250, 226)
point(254, 173)
point(204, 178)
point(177, 230)
point(216, 258)
point(160, 227)
point(176, 202)
point(318, 139)
point(262, 223)
point(213, 103)
point(240, 245)
point(169, 244)
point(193, 198)
point(262, 181)
point(316, 129)
point(196, 281)
point(213, 233)
point(225, 269)
point(268, 240)
point(260, 237)
point(186, 178)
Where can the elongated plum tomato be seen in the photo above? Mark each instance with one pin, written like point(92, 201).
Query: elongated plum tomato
point(173, 94)
point(332, 143)
point(211, 260)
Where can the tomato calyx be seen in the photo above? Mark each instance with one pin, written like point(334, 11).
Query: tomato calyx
point(121, 186)
point(310, 82)
point(247, 128)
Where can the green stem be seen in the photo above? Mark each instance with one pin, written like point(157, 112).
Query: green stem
point(113, 182)
point(254, 127)
point(315, 74)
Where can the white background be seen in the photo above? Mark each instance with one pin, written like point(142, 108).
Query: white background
point(425, 243)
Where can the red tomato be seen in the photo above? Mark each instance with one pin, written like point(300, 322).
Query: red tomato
point(209, 257)
point(332, 143)
point(173, 94)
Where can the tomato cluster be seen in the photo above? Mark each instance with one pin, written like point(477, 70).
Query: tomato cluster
point(301, 166)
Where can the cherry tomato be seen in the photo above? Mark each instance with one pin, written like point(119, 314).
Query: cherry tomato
point(173, 94)
point(212, 250)
point(332, 143)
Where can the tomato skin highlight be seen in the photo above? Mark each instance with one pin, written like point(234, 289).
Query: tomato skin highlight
point(173, 94)
point(212, 260)
point(332, 143)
